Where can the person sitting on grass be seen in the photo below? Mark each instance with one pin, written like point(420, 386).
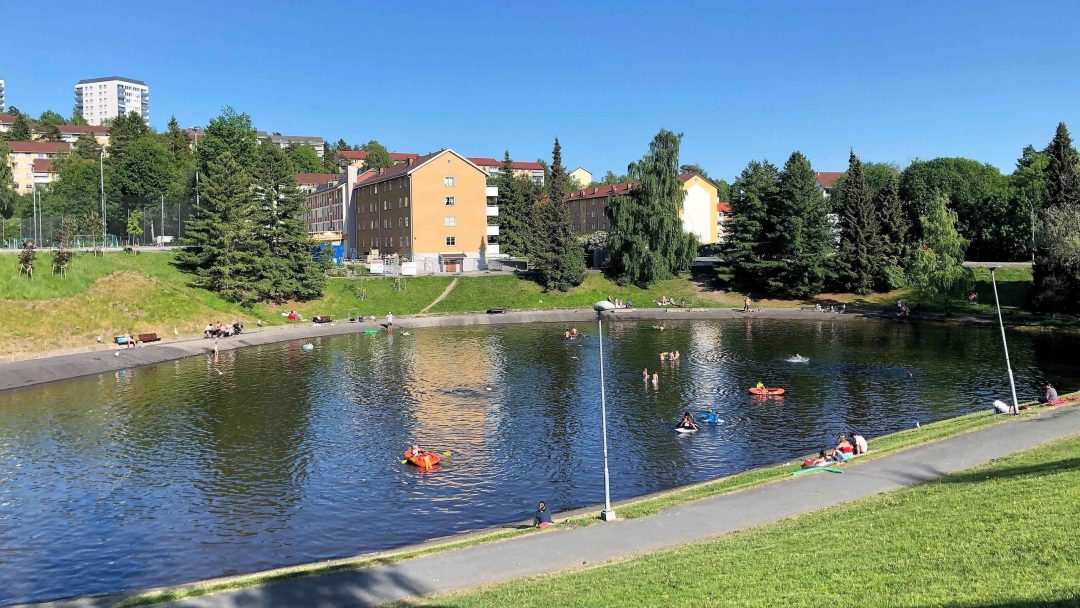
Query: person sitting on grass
point(860, 443)
point(821, 460)
point(208, 331)
point(1051, 394)
point(542, 518)
point(844, 446)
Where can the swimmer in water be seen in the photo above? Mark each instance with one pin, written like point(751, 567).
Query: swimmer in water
point(760, 385)
point(675, 356)
point(645, 374)
point(566, 335)
point(573, 332)
point(655, 379)
point(663, 356)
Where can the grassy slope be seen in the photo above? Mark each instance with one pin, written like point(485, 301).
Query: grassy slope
point(998, 535)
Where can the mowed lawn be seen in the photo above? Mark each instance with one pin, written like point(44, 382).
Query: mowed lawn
point(1000, 535)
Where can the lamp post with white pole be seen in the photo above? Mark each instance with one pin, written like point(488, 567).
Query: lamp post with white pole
point(1001, 324)
point(195, 132)
point(101, 173)
point(608, 514)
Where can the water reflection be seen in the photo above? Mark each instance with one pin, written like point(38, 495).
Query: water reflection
point(275, 455)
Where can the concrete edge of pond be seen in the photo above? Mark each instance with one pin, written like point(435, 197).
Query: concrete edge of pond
point(485, 536)
point(57, 367)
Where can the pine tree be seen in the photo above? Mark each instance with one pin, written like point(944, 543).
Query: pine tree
point(858, 263)
point(288, 270)
point(513, 216)
point(176, 140)
point(224, 252)
point(1057, 285)
point(20, 129)
point(749, 223)
point(647, 242)
point(86, 147)
point(800, 243)
point(938, 269)
point(558, 255)
point(894, 230)
point(125, 130)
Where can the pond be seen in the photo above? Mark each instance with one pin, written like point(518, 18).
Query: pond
point(277, 455)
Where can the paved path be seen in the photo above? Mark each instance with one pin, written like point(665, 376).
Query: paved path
point(559, 550)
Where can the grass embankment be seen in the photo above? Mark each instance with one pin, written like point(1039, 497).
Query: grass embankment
point(998, 535)
point(627, 510)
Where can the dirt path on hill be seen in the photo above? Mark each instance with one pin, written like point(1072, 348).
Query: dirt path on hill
point(442, 295)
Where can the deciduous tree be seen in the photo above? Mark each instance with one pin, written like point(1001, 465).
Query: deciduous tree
point(938, 269)
point(378, 157)
point(304, 159)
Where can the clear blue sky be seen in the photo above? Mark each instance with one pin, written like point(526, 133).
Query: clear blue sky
point(895, 81)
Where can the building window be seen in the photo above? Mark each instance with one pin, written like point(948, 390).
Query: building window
point(450, 201)
point(399, 205)
point(448, 180)
point(451, 241)
point(449, 221)
point(406, 222)
point(406, 201)
point(406, 241)
point(400, 222)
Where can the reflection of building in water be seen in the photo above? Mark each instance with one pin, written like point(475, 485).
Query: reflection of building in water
point(453, 383)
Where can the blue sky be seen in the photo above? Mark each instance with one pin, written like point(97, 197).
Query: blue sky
point(895, 81)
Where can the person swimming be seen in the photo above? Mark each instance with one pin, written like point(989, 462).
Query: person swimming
point(760, 385)
point(573, 332)
point(663, 356)
point(566, 335)
point(687, 422)
point(655, 379)
point(645, 374)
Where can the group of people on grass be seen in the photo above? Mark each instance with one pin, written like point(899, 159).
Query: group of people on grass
point(844, 450)
point(670, 301)
point(220, 330)
point(619, 303)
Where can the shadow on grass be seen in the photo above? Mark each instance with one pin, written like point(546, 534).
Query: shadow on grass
point(1046, 468)
point(1070, 603)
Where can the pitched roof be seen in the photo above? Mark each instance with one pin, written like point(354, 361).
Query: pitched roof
point(528, 166)
point(108, 78)
point(723, 207)
point(825, 179)
point(43, 165)
point(317, 179)
point(39, 147)
point(366, 175)
point(7, 119)
point(483, 161)
point(80, 129)
point(411, 165)
point(603, 191)
point(362, 155)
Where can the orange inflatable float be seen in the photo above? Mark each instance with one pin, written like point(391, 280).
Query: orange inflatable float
point(424, 460)
point(766, 392)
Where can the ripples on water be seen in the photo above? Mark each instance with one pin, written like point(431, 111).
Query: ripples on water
point(272, 455)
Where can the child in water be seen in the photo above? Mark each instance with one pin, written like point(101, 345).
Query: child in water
point(655, 380)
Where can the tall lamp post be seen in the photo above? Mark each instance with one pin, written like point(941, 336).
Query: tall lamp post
point(101, 174)
point(195, 131)
point(1001, 324)
point(608, 514)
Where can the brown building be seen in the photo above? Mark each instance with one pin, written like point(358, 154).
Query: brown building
point(432, 210)
point(587, 206)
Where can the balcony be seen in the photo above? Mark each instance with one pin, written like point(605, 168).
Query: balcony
point(491, 191)
point(493, 231)
point(492, 210)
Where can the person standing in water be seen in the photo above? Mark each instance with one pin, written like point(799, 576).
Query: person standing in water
point(655, 380)
point(645, 374)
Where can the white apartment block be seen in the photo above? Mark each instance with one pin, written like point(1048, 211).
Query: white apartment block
point(99, 99)
point(1, 95)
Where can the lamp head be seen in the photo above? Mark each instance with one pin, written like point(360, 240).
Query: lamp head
point(993, 268)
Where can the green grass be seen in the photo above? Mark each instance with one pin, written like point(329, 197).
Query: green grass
point(999, 535)
point(342, 297)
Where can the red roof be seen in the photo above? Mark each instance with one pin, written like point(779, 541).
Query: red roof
point(401, 168)
point(362, 155)
point(43, 165)
point(723, 207)
point(80, 129)
point(366, 175)
point(484, 162)
point(7, 119)
point(317, 179)
point(599, 192)
point(39, 147)
point(825, 179)
point(528, 166)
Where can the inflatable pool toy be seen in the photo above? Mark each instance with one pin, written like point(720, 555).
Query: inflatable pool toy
point(712, 417)
point(426, 460)
point(680, 429)
point(371, 332)
point(798, 359)
point(766, 392)
point(818, 468)
point(309, 346)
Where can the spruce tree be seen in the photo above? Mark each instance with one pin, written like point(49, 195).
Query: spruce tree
point(1057, 285)
point(225, 252)
point(176, 140)
point(231, 132)
point(858, 263)
point(513, 215)
point(749, 223)
point(801, 241)
point(647, 242)
point(894, 230)
point(289, 270)
point(86, 147)
point(20, 129)
point(559, 257)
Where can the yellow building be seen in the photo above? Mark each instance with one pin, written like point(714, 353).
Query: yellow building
point(582, 176)
point(70, 133)
point(699, 209)
point(432, 210)
point(23, 156)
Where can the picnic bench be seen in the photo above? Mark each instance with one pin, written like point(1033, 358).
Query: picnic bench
point(319, 320)
point(151, 337)
point(496, 311)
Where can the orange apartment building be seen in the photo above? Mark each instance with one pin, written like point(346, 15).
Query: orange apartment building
point(433, 210)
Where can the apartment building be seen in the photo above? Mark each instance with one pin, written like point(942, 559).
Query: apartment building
point(100, 99)
point(70, 133)
point(698, 213)
point(2, 102)
point(433, 210)
point(25, 168)
point(285, 141)
point(723, 216)
point(491, 166)
point(6, 120)
point(330, 209)
point(582, 177)
point(310, 182)
point(358, 158)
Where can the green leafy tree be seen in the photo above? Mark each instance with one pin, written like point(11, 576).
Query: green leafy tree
point(558, 257)
point(146, 170)
point(48, 118)
point(76, 189)
point(20, 128)
point(1057, 284)
point(1029, 187)
point(51, 133)
point(378, 157)
point(723, 189)
point(224, 250)
point(304, 159)
point(875, 175)
point(86, 147)
point(859, 262)
point(124, 131)
point(799, 244)
point(647, 242)
point(610, 178)
point(695, 169)
point(175, 141)
point(77, 117)
point(981, 197)
point(134, 226)
point(938, 269)
point(231, 132)
point(894, 229)
point(750, 195)
point(329, 159)
point(288, 270)
point(8, 194)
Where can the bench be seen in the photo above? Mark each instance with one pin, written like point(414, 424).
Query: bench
point(496, 311)
point(151, 337)
point(322, 319)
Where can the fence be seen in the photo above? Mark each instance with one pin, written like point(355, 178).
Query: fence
point(161, 224)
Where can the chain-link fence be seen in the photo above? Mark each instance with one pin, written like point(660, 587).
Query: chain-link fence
point(161, 224)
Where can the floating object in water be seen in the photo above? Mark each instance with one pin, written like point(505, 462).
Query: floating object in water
point(711, 417)
point(680, 429)
point(309, 346)
point(798, 359)
point(767, 392)
point(426, 460)
point(371, 332)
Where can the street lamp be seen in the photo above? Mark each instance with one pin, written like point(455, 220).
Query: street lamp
point(195, 131)
point(608, 514)
point(1001, 324)
point(101, 173)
